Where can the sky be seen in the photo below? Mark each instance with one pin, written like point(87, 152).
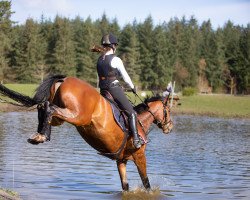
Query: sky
point(126, 11)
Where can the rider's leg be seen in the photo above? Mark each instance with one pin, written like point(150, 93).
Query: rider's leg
point(123, 103)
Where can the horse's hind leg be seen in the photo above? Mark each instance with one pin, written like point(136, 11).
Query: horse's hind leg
point(140, 162)
point(121, 165)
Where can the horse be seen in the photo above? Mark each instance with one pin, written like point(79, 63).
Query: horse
point(62, 99)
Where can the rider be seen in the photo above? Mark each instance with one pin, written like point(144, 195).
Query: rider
point(109, 66)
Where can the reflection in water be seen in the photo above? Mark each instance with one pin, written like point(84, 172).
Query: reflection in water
point(203, 158)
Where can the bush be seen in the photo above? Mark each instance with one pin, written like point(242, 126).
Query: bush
point(189, 91)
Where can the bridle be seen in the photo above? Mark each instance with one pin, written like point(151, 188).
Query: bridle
point(164, 122)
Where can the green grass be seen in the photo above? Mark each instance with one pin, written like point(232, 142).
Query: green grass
point(26, 89)
point(227, 106)
point(215, 105)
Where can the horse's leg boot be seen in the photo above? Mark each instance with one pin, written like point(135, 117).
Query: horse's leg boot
point(37, 138)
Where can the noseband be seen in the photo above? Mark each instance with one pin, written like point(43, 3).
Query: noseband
point(164, 122)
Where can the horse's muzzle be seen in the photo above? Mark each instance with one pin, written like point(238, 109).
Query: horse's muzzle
point(167, 128)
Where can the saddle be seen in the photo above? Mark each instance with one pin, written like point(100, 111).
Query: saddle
point(119, 115)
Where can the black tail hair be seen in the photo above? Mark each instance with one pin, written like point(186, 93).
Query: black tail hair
point(42, 92)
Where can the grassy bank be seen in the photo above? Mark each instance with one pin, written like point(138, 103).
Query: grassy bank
point(227, 106)
point(27, 89)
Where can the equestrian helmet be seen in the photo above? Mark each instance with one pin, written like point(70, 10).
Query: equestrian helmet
point(109, 39)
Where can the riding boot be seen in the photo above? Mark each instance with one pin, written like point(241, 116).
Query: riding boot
point(133, 128)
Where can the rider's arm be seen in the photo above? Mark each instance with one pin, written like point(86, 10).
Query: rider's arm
point(117, 63)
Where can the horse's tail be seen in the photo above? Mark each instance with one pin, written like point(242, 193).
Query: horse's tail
point(42, 92)
point(24, 100)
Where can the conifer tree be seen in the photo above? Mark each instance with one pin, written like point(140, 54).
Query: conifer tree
point(210, 52)
point(26, 52)
point(181, 74)
point(161, 62)
point(84, 40)
point(62, 48)
point(129, 52)
point(232, 51)
point(5, 40)
point(145, 37)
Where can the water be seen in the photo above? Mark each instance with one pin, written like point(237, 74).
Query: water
point(203, 158)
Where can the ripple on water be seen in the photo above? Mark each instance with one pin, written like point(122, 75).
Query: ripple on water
point(203, 158)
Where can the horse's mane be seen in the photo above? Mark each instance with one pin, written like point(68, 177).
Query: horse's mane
point(142, 107)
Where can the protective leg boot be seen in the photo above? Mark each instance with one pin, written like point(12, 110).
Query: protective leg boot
point(133, 127)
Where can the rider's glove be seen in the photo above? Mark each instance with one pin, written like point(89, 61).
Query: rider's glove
point(133, 90)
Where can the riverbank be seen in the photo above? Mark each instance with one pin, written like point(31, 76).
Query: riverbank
point(224, 109)
point(214, 105)
point(6, 194)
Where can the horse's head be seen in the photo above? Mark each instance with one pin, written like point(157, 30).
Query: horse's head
point(162, 115)
point(159, 108)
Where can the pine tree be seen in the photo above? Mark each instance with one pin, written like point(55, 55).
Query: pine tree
point(84, 39)
point(180, 73)
point(5, 40)
point(161, 62)
point(26, 52)
point(145, 37)
point(42, 68)
point(210, 51)
point(62, 48)
point(191, 52)
point(232, 52)
point(244, 61)
point(129, 52)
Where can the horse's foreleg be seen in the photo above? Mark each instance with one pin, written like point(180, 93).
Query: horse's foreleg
point(44, 128)
point(140, 162)
point(121, 165)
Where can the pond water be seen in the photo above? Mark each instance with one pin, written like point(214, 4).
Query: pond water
point(203, 158)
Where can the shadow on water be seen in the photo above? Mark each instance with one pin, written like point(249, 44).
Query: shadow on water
point(203, 158)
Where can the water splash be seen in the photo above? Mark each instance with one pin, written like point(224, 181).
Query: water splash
point(140, 193)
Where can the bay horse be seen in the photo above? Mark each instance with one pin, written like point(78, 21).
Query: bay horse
point(62, 99)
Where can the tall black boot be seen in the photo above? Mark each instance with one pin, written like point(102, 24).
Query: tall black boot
point(133, 127)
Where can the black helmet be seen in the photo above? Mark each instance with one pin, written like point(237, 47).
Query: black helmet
point(109, 39)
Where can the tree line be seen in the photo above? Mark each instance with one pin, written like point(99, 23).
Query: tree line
point(180, 50)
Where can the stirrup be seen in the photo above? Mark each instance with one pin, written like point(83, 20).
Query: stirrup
point(137, 143)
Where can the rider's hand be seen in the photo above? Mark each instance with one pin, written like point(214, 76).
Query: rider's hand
point(133, 90)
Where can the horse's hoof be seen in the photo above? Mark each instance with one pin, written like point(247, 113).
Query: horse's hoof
point(37, 138)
